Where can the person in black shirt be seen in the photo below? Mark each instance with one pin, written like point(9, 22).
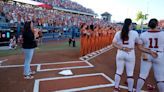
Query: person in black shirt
point(29, 44)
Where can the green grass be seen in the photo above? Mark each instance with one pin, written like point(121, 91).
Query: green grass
point(43, 48)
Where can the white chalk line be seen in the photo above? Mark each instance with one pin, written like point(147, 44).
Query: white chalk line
point(13, 66)
point(101, 51)
point(36, 84)
point(76, 67)
point(1, 61)
point(91, 55)
point(85, 88)
point(89, 65)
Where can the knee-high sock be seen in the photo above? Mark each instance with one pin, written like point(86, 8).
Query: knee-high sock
point(161, 86)
point(140, 84)
point(117, 80)
point(130, 84)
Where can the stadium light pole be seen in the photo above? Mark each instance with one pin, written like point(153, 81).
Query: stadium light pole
point(147, 7)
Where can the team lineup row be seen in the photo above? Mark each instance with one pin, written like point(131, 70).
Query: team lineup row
point(94, 37)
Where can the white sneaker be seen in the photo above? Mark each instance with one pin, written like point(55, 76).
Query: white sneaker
point(28, 77)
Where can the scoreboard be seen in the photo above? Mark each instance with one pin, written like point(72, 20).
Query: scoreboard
point(5, 36)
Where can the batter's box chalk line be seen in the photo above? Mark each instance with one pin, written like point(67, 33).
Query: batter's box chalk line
point(37, 82)
point(88, 65)
point(39, 64)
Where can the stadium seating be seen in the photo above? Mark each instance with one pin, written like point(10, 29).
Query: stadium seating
point(67, 4)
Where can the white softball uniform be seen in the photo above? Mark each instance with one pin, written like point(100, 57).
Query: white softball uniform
point(153, 40)
point(123, 58)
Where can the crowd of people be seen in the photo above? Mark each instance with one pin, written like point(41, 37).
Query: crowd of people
point(41, 17)
point(67, 4)
point(17, 13)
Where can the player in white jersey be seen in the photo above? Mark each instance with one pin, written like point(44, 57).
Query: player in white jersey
point(152, 46)
point(125, 42)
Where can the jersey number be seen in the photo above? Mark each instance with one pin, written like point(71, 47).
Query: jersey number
point(151, 43)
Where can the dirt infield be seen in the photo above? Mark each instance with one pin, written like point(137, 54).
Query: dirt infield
point(94, 75)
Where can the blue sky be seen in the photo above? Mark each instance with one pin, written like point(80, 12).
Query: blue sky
point(121, 9)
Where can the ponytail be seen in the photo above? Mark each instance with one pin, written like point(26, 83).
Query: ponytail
point(125, 29)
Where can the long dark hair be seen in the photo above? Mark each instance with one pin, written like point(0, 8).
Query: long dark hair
point(27, 27)
point(125, 29)
point(82, 25)
point(92, 27)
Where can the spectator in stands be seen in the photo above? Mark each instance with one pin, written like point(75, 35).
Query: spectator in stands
point(49, 18)
point(41, 17)
point(29, 44)
point(67, 4)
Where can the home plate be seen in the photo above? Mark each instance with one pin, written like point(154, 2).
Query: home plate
point(66, 72)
